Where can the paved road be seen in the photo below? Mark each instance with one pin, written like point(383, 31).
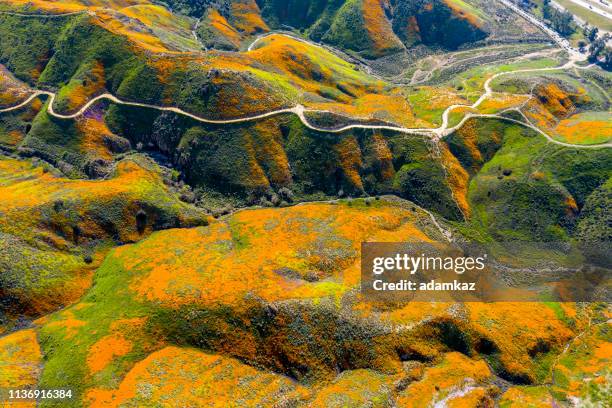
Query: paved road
point(580, 21)
point(562, 42)
point(593, 8)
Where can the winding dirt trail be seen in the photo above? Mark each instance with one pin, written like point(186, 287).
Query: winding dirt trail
point(297, 110)
point(300, 111)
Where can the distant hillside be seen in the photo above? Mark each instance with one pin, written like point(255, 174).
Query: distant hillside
point(372, 28)
point(376, 27)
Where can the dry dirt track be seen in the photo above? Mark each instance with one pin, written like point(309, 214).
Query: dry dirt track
point(300, 111)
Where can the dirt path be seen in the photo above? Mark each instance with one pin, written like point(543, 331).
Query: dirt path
point(300, 111)
point(569, 345)
point(434, 133)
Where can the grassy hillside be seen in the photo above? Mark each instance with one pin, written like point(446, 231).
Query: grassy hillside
point(522, 187)
point(375, 28)
point(152, 322)
point(26, 59)
point(151, 259)
point(256, 162)
point(55, 232)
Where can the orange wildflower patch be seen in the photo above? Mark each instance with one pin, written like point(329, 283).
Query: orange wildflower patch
point(246, 17)
point(219, 23)
point(603, 351)
point(469, 136)
point(539, 115)
point(161, 21)
point(578, 131)
point(20, 359)
point(538, 325)
point(186, 377)
point(71, 290)
point(383, 155)
point(464, 14)
point(499, 102)
point(308, 239)
point(61, 6)
point(456, 372)
point(270, 153)
point(378, 26)
point(92, 85)
point(350, 160)
point(130, 29)
point(309, 66)
point(93, 132)
point(556, 101)
point(458, 179)
point(392, 108)
point(105, 349)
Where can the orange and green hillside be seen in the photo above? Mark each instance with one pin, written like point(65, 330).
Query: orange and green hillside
point(168, 315)
point(186, 185)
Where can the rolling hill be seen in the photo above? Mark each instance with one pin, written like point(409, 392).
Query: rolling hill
point(186, 185)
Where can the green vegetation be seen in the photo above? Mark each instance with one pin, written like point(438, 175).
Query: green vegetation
point(471, 82)
point(57, 141)
point(111, 304)
point(194, 8)
point(579, 363)
point(594, 224)
point(348, 28)
point(529, 189)
point(55, 231)
point(82, 43)
point(438, 24)
point(422, 179)
point(476, 143)
point(315, 16)
point(343, 23)
point(257, 159)
point(26, 45)
point(561, 21)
